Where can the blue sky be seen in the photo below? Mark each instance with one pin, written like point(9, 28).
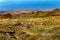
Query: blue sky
point(29, 4)
point(30, 0)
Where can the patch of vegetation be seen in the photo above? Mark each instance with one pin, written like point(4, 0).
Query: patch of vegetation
point(30, 26)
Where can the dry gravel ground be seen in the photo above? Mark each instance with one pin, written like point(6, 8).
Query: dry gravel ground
point(30, 28)
point(38, 25)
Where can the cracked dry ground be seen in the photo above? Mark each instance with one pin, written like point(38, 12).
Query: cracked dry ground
point(41, 28)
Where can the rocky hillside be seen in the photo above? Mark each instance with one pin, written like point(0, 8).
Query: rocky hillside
point(30, 25)
point(11, 14)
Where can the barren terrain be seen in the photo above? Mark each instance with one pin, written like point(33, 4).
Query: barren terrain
point(30, 25)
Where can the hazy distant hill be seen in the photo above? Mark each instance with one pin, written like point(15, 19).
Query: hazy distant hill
point(55, 12)
point(5, 16)
point(10, 14)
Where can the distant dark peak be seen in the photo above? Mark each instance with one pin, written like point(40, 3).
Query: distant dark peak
point(7, 15)
point(57, 9)
point(55, 12)
point(2, 11)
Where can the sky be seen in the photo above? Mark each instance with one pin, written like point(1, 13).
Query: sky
point(29, 4)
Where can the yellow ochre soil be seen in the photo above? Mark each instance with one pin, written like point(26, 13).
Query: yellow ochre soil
point(30, 25)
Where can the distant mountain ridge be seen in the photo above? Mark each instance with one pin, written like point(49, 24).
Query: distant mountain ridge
point(10, 14)
point(54, 12)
